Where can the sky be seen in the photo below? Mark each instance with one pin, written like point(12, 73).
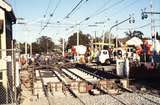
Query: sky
point(36, 13)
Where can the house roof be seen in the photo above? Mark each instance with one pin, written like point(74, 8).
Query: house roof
point(8, 8)
point(123, 40)
point(134, 41)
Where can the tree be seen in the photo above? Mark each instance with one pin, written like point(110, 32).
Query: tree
point(138, 34)
point(46, 43)
point(129, 34)
point(36, 48)
point(97, 39)
point(157, 36)
point(22, 47)
point(61, 43)
point(83, 39)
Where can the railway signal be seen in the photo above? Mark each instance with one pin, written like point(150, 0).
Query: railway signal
point(144, 14)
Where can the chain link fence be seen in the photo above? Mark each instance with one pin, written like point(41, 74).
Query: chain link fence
point(8, 76)
point(6, 94)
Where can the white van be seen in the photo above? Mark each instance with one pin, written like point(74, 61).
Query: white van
point(104, 57)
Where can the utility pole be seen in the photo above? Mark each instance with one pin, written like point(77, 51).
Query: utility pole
point(116, 36)
point(63, 47)
point(14, 72)
point(26, 49)
point(153, 32)
point(47, 46)
point(78, 27)
point(152, 26)
point(103, 33)
point(26, 45)
point(95, 35)
point(31, 49)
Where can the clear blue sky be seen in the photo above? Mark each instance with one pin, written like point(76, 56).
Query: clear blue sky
point(33, 12)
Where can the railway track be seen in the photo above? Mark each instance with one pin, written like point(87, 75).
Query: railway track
point(44, 87)
point(83, 74)
point(104, 92)
point(65, 84)
point(94, 73)
point(62, 76)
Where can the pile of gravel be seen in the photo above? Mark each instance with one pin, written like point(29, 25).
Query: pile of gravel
point(123, 99)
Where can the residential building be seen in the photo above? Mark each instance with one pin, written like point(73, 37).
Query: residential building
point(7, 19)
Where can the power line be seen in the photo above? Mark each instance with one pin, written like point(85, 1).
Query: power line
point(129, 5)
point(67, 16)
point(143, 26)
point(78, 8)
point(98, 13)
point(107, 2)
point(108, 8)
point(140, 27)
point(51, 15)
point(48, 6)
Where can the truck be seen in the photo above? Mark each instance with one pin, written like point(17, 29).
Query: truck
point(104, 57)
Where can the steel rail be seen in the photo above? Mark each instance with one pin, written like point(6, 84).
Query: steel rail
point(69, 89)
point(44, 88)
point(127, 90)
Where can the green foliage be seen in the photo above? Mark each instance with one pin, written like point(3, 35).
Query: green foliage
point(157, 36)
point(83, 40)
point(42, 45)
point(22, 47)
point(46, 44)
point(97, 39)
point(36, 48)
point(138, 34)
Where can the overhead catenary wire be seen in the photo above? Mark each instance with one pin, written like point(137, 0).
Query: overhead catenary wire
point(128, 5)
point(99, 12)
point(45, 13)
point(51, 15)
point(104, 5)
point(48, 6)
point(67, 16)
point(107, 2)
point(143, 26)
point(108, 8)
point(78, 8)
point(140, 27)
point(125, 7)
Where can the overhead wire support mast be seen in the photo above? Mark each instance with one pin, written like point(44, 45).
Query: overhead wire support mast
point(119, 23)
point(115, 26)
